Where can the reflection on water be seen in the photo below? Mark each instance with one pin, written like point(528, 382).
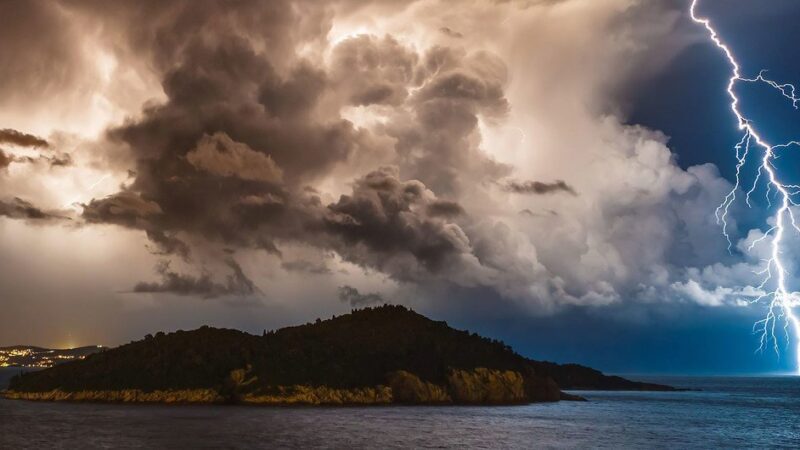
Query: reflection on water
point(728, 412)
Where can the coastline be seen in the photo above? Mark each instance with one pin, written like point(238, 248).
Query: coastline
point(479, 386)
point(307, 396)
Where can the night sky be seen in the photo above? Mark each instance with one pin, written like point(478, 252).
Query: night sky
point(542, 172)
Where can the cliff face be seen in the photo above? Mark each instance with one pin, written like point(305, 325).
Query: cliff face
point(408, 388)
point(485, 386)
point(476, 386)
point(372, 356)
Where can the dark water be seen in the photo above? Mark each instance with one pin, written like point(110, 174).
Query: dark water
point(727, 413)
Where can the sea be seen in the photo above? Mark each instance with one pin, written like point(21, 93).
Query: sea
point(720, 412)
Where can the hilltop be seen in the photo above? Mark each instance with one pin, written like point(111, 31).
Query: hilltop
point(378, 355)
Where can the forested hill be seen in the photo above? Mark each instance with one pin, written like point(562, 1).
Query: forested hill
point(399, 354)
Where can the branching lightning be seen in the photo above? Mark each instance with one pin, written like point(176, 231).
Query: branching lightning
point(781, 301)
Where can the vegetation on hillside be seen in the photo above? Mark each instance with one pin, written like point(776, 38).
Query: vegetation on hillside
point(365, 349)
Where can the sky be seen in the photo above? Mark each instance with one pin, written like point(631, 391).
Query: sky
point(542, 172)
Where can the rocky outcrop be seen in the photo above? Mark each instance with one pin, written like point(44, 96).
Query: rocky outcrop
point(486, 386)
point(408, 388)
point(541, 388)
point(319, 395)
point(476, 386)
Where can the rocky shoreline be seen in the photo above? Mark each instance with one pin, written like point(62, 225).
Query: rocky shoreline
point(478, 386)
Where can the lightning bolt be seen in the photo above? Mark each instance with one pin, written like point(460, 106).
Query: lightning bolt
point(89, 189)
point(781, 301)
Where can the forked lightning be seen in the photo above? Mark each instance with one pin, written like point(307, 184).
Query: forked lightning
point(782, 300)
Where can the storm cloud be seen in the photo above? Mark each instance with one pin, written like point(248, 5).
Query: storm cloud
point(228, 157)
point(235, 284)
point(539, 188)
point(287, 131)
point(14, 137)
point(305, 266)
point(18, 208)
point(220, 155)
point(351, 296)
point(5, 159)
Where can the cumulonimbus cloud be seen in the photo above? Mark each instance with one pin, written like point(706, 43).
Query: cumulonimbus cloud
point(378, 146)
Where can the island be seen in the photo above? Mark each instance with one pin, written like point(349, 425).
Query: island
point(372, 356)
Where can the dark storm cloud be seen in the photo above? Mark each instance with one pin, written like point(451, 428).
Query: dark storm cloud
point(304, 266)
point(5, 159)
point(451, 33)
point(18, 208)
point(473, 91)
point(236, 283)
point(227, 158)
point(268, 246)
point(224, 157)
point(130, 210)
point(387, 217)
point(17, 138)
point(216, 91)
point(444, 208)
point(227, 155)
point(20, 139)
point(249, 144)
point(437, 145)
point(539, 188)
point(219, 155)
point(168, 245)
point(14, 137)
point(124, 208)
point(374, 71)
point(349, 294)
point(62, 160)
